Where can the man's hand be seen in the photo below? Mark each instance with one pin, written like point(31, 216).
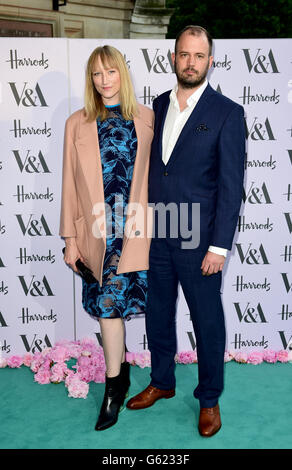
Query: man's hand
point(212, 263)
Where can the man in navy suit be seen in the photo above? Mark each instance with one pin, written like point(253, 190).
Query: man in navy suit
point(197, 160)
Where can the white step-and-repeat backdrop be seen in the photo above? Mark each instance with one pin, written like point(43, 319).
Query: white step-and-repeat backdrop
point(42, 82)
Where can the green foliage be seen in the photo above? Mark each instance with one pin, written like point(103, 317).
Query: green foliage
point(233, 19)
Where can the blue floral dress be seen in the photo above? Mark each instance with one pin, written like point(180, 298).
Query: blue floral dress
point(121, 295)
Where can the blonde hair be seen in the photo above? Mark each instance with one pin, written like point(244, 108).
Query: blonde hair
point(94, 107)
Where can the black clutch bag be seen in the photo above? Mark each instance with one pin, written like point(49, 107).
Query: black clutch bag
point(84, 271)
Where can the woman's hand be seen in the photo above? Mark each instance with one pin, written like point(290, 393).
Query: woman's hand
point(72, 254)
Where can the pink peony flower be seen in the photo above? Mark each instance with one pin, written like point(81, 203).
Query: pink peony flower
point(130, 357)
point(42, 376)
point(228, 356)
point(27, 359)
point(187, 357)
point(59, 354)
point(282, 356)
point(241, 357)
point(290, 355)
point(255, 357)
point(58, 372)
point(143, 359)
point(14, 361)
point(270, 356)
point(3, 363)
point(77, 388)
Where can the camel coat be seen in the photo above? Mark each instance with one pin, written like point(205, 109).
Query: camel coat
point(83, 209)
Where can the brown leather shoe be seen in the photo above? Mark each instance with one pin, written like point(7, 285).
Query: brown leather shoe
point(148, 397)
point(209, 421)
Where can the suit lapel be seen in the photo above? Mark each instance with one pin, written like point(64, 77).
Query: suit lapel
point(189, 125)
point(162, 117)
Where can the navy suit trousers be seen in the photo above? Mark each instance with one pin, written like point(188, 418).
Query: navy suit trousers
point(169, 266)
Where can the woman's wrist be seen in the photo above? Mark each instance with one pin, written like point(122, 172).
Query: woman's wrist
point(70, 241)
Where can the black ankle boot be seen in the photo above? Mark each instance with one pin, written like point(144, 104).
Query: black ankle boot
point(125, 377)
point(113, 399)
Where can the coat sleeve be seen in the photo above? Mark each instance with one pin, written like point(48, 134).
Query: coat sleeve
point(69, 192)
point(231, 156)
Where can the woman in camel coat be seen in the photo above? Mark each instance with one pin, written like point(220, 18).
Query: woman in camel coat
point(104, 209)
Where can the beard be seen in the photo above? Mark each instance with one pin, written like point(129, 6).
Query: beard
point(190, 81)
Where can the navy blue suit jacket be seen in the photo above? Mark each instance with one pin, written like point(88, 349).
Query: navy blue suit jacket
point(205, 167)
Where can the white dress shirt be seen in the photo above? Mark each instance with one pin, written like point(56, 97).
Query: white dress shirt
point(174, 123)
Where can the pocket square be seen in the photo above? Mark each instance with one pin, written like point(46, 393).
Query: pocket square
point(202, 127)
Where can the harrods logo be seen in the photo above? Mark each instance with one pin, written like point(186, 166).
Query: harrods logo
point(271, 164)
point(251, 255)
point(28, 317)
point(20, 131)
point(242, 284)
point(244, 225)
point(288, 194)
point(249, 96)
point(25, 258)
point(36, 288)
point(157, 62)
point(31, 163)
point(256, 194)
point(28, 96)
point(259, 130)
point(223, 64)
point(246, 343)
point(36, 344)
point(250, 314)
point(287, 255)
point(23, 196)
point(5, 347)
point(259, 62)
point(286, 312)
point(148, 96)
point(144, 342)
point(3, 288)
point(34, 227)
point(17, 61)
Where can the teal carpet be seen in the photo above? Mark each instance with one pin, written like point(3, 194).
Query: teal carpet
point(256, 411)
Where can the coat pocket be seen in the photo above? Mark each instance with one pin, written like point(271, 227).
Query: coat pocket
point(81, 237)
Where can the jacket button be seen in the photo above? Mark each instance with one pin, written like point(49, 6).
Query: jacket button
point(165, 173)
point(137, 232)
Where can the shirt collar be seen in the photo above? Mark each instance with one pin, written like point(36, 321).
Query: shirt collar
point(193, 99)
